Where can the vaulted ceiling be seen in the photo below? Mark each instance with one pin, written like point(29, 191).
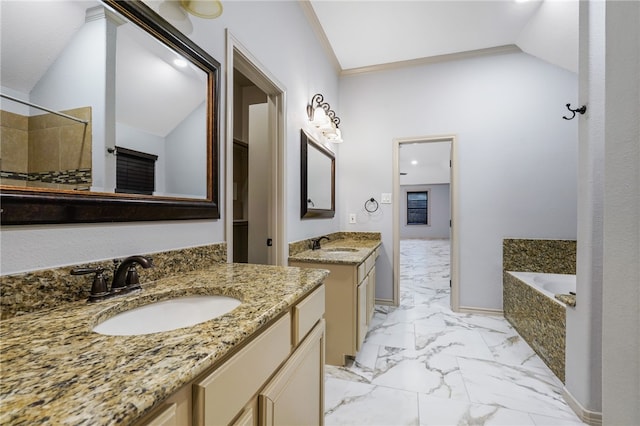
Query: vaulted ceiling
point(365, 34)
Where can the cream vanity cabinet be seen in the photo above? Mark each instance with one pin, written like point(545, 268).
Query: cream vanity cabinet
point(350, 298)
point(275, 379)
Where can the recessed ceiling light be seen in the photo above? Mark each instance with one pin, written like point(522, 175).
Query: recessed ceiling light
point(414, 162)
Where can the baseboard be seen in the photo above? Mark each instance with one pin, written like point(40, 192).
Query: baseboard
point(385, 302)
point(480, 311)
point(593, 418)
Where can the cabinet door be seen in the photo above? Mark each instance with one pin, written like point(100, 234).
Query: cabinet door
point(371, 295)
point(362, 312)
point(221, 396)
point(295, 396)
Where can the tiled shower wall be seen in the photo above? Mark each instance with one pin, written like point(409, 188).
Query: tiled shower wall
point(46, 151)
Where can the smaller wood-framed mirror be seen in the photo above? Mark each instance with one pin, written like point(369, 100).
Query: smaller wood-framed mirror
point(317, 179)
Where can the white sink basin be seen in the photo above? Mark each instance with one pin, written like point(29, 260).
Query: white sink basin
point(167, 315)
point(341, 250)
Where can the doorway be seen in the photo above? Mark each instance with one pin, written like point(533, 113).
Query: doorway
point(255, 151)
point(424, 177)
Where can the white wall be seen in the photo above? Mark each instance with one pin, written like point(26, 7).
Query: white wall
point(279, 36)
point(186, 166)
point(621, 288)
point(584, 322)
point(439, 206)
point(517, 157)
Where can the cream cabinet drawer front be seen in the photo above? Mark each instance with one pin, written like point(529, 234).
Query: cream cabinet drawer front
point(362, 271)
point(295, 396)
point(165, 417)
point(223, 394)
point(307, 313)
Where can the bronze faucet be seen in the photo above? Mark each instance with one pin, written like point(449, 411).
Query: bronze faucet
point(315, 242)
point(125, 277)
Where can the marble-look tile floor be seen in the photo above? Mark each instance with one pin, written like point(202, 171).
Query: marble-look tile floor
point(422, 364)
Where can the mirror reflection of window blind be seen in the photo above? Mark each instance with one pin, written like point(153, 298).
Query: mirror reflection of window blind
point(135, 172)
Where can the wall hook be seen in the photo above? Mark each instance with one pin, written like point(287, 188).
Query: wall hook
point(580, 110)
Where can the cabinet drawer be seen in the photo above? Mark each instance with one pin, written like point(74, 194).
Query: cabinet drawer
point(307, 313)
point(365, 267)
point(221, 396)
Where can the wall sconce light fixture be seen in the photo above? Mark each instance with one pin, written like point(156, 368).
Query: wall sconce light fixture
point(324, 118)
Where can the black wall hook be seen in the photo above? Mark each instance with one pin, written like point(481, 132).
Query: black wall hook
point(580, 110)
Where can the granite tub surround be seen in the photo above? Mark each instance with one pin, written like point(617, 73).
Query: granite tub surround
point(539, 320)
point(538, 255)
point(55, 370)
point(363, 244)
point(49, 288)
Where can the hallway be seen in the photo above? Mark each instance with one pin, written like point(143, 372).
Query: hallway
point(422, 364)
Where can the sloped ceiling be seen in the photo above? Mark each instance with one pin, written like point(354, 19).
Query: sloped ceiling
point(151, 93)
point(366, 34)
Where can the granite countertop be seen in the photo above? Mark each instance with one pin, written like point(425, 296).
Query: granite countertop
point(360, 249)
point(55, 370)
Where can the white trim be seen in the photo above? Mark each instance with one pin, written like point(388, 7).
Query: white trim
point(490, 51)
point(455, 280)
point(314, 22)
point(239, 57)
point(593, 418)
point(479, 311)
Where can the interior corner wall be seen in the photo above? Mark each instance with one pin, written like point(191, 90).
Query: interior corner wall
point(279, 36)
point(517, 158)
point(584, 321)
point(621, 288)
point(439, 204)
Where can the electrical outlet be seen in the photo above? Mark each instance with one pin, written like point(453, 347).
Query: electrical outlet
point(352, 218)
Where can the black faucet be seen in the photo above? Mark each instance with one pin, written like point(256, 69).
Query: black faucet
point(125, 276)
point(315, 242)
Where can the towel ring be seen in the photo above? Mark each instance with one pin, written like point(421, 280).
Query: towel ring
point(371, 205)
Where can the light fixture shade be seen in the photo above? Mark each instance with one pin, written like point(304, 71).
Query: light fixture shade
point(207, 9)
point(336, 138)
point(320, 118)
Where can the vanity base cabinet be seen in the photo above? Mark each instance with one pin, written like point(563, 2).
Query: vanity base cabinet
point(349, 305)
point(275, 379)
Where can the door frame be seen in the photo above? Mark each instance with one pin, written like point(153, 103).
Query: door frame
point(454, 200)
point(240, 58)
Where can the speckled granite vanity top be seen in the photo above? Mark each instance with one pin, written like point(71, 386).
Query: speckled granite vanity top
point(55, 370)
point(357, 251)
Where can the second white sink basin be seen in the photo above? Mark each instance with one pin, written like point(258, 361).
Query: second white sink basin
point(167, 315)
point(341, 250)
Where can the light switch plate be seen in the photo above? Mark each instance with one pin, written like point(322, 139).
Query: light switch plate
point(352, 218)
point(385, 198)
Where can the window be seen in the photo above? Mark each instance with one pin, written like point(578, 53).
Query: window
point(135, 172)
point(417, 207)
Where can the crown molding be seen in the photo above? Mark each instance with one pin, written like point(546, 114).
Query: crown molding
point(491, 51)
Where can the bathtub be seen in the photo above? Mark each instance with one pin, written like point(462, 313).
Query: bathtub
point(531, 308)
point(548, 284)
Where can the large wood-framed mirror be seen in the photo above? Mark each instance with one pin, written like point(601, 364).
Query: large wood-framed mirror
point(90, 91)
point(317, 179)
